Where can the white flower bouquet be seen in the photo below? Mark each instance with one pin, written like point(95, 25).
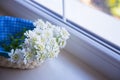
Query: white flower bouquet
point(41, 43)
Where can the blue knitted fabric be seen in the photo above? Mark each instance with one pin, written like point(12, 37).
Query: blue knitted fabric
point(12, 25)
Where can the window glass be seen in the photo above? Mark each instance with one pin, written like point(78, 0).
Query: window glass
point(54, 5)
point(91, 15)
point(72, 8)
point(111, 7)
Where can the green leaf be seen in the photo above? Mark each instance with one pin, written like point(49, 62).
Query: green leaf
point(15, 39)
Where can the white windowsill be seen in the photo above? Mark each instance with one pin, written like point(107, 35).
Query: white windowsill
point(65, 67)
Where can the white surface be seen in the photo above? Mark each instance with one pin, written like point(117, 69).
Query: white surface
point(65, 67)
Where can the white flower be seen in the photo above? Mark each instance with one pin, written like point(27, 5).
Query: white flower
point(37, 31)
point(64, 33)
point(56, 32)
point(40, 47)
point(41, 43)
point(49, 25)
point(11, 53)
point(40, 24)
point(16, 56)
point(48, 33)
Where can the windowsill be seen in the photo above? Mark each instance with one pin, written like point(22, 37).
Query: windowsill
point(65, 67)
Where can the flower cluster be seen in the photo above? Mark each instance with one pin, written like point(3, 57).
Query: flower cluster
point(41, 43)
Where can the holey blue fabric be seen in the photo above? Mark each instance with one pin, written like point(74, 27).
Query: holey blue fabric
point(10, 26)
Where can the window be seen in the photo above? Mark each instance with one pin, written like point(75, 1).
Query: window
point(94, 35)
point(98, 23)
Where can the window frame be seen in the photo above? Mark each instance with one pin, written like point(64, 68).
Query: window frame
point(82, 43)
point(81, 29)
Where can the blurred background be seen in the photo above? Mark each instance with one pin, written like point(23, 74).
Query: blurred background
point(111, 7)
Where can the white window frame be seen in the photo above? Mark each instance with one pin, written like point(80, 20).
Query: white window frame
point(85, 46)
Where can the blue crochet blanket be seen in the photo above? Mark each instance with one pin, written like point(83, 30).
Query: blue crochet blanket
point(11, 25)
